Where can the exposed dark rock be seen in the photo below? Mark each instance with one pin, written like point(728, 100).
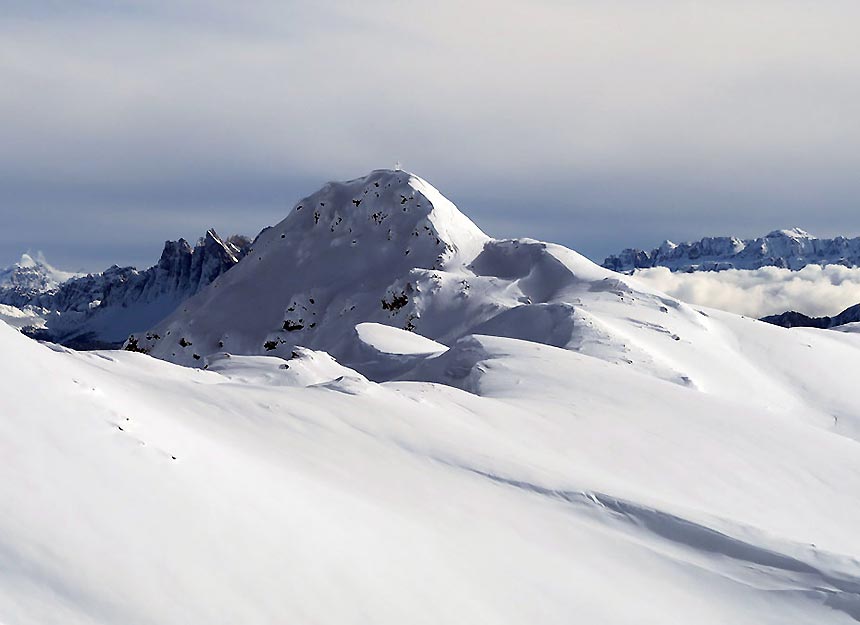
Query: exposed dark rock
point(98, 310)
point(396, 302)
point(794, 319)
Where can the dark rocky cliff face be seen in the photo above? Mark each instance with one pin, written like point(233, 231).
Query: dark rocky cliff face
point(180, 272)
point(793, 319)
point(101, 310)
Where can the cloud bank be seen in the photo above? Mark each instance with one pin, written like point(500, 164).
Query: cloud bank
point(815, 291)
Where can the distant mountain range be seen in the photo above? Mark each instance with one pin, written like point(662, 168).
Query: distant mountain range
point(102, 309)
point(791, 249)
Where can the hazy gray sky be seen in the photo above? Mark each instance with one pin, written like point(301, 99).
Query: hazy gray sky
point(597, 124)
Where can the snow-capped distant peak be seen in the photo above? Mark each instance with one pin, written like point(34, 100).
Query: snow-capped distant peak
point(667, 246)
point(56, 276)
point(28, 261)
point(33, 274)
point(790, 233)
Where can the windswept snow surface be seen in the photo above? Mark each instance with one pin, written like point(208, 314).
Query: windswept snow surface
point(560, 444)
point(561, 488)
point(390, 340)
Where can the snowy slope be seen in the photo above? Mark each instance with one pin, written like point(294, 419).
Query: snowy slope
point(476, 431)
point(792, 249)
point(307, 284)
point(561, 488)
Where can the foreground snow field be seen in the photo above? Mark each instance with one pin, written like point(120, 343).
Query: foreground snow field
point(563, 488)
point(554, 443)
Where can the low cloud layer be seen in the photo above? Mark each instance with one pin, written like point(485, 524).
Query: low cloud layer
point(814, 290)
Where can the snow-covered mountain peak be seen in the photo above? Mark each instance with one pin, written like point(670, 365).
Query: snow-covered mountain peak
point(390, 250)
point(356, 250)
point(394, 212)
point(29, 262)
point(33, 274)
point(790, 233)
point(29, 279)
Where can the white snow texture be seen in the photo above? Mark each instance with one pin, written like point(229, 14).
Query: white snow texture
point(478, 431)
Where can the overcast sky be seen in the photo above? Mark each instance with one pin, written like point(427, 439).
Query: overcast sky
point(599, 124)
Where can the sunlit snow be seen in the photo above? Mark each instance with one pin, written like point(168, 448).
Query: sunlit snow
point(479, 431)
